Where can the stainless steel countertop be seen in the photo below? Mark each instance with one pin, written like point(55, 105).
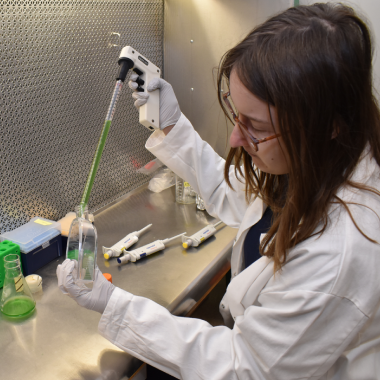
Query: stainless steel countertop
point(61, 341)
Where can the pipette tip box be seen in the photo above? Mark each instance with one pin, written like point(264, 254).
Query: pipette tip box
point(40, 243)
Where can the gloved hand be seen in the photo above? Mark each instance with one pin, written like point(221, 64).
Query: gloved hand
point(92, 299)
point(169, 107)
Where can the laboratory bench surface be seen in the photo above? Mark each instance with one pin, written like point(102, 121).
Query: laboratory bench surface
point(61, 341)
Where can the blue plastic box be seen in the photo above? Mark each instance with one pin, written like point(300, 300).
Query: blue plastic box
point(40, 242)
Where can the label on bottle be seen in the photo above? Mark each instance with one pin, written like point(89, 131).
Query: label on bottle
point(19, 284)
point(42, 222)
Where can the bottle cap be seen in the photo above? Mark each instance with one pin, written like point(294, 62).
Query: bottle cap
point(108, 277)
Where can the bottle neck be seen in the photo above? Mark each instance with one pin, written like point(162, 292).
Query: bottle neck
point(12, 270)
point(82, 211)
point(12, 265)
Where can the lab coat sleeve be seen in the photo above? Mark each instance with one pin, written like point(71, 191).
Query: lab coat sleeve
point(291, 335)
point(183, 347)
point(191, 158)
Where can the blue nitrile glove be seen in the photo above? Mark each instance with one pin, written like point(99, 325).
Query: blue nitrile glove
point(92, 299)
point(169, 107)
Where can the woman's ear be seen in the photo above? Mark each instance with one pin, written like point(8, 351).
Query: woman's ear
point(335, 132)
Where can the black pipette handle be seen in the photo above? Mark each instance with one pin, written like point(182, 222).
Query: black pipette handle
point(125, 65)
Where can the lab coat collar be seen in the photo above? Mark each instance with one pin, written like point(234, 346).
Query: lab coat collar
point(365, 168)
point(253, 279)
point(254, 213)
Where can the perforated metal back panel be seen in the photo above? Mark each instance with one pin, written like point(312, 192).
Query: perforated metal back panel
point(58, 69)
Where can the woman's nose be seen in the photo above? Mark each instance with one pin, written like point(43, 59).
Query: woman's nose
point(236, 138)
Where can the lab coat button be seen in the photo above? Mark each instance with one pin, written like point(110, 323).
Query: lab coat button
point(223, 306)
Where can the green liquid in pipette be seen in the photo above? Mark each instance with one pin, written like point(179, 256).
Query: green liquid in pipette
point(95, 162)
point(18, 307)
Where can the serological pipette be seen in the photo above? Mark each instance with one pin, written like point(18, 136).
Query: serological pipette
point(146, 250)
point(200, 236)
point(129, 59)
point(117, 249)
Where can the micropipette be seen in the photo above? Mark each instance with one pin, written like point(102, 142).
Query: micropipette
point(122, 245)
point(146, 250)
point(200, 236)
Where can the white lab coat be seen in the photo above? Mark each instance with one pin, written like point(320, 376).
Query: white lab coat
point(317, 319)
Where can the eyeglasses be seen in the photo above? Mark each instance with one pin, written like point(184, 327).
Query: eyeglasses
point(252, 141)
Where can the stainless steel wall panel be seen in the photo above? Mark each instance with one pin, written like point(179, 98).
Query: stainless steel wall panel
point(58, 70)
point(214, 26)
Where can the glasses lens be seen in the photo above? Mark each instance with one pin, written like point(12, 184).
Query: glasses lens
point(243, 128)
point(229, 106)
point(250, 139)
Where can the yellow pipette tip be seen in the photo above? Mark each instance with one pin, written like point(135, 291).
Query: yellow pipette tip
point(185, 245)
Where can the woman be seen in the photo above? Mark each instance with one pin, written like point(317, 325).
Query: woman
point(306, 142)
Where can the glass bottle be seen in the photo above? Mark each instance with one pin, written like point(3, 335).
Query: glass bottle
point(17, 301)
point(82, 246)
point(183, 191)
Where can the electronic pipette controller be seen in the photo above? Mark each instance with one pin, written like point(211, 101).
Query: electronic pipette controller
point(146, 70)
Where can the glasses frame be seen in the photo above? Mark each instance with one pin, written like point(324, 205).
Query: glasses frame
point(253, 141)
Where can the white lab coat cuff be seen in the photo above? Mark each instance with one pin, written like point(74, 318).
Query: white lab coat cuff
point(106, 329)
point(158, 136)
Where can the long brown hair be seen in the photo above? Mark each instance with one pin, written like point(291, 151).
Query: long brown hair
point(314, 65)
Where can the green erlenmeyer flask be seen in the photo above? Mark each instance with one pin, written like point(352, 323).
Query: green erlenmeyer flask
point(17, 301)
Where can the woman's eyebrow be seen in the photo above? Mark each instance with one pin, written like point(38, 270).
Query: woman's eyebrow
point(252, 118)
point(255, 119)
